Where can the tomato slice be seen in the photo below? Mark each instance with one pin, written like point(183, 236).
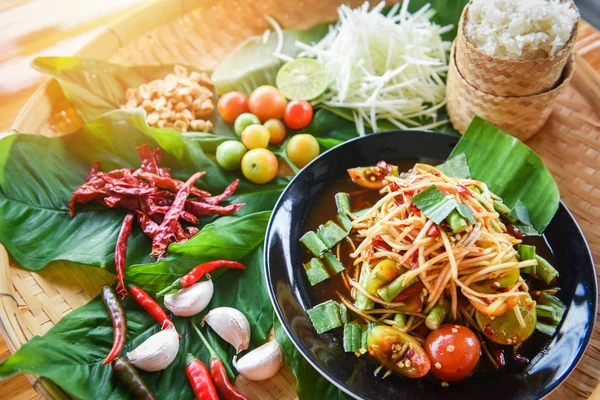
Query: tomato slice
point(506, 329)
point(398, 351)
point(372, 177)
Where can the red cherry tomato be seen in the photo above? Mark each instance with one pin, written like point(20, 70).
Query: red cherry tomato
point(454, 351)
point(298, 114)
point(267, 102)
point(231, 105)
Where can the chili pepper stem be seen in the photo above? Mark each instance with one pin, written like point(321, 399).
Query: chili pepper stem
point(213, 353)
point(189, 359)
point(173, 286)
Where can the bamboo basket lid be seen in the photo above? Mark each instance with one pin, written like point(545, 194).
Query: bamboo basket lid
point(200, 33)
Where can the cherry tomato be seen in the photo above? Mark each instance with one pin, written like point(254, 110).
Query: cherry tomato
point(259, 166)
point(398, 351)
point(298, 114)
point(302, 149)
point(267, 102)
point(276, 130)
point(229, 154)
point(231, 105)
point(243, 120)
point(255, 137)
point(454, 351)
point(372, 177)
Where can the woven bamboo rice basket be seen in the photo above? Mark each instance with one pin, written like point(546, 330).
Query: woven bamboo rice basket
point(203, 32)
point(505, 77)
point(521, 116)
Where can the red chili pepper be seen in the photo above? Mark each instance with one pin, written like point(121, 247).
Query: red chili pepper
point(148, 304)
point(199, 208)
point(93, 170)
point(464, 191)
point(149, 227)
point(173, 184)
point(433, 231)
point(165, 233)
point(413, 259)
point(219, 375)
point(379, 243)
point(229, 190)
point(199, 378)
point(120, 253)
point(409, 291)
point(131, 203)
point(198, 272)
point(415, 210)
point(119, 322)
point(150, 159)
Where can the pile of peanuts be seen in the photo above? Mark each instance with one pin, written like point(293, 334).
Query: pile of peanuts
point(182, 101)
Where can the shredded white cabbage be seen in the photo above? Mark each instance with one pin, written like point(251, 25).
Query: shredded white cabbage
point(384, 66)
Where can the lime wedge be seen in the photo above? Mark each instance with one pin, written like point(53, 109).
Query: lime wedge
point(302, 79)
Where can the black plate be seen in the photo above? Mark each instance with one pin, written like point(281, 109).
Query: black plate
point(290, 291)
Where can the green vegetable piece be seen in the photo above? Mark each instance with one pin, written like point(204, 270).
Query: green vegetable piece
point(546, 329)
point(313, 243)
point(526, 252)
point(342, 201)
point(466, 212)
point(437, 315)
point(400, 320)
point(345, 222)
point(544, 270)
point(343, 313)
point(366, 330)
point(315, 271)
point(547, 312)
point(558, 308)
point(333, 263)
point(362, 302)
point(438, 207)
point(325, 316)
point(362, 212)
point(391, 291)
point(504, 211)
point(457, 223)
point(352, 337)
point(456, 167)
point(331, 234)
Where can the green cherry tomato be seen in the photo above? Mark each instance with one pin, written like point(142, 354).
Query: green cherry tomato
point(244, 120)
point(302, 149)
point(232, 104)
point(259, 166)
point(383, 273)
point(229, 154)
point(398, 351)
point(454, 351)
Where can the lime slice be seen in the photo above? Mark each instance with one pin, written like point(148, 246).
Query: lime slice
point(302, 79)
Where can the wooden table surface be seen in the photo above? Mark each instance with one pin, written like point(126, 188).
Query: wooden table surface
point(49, 32)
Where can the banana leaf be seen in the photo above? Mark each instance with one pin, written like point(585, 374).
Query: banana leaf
point(511, 170)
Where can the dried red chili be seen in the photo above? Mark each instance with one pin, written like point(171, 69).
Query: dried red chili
point(219, 375)
point(173, 184)
point(119, 322)
point(229, 190)
point(198, 272)
point(200, 379)
point(120, 253)
point(199, 208)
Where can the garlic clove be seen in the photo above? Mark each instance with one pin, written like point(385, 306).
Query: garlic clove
point(191, 300)
point(157, 352)
point(231, 325)
point(261, 363)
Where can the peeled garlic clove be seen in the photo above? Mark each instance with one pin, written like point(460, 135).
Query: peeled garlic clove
point(156, 352)
point(191, 300)
point(261, 363)
point(231, 325)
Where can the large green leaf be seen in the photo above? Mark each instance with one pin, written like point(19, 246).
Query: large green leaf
point(252, 63)
point(38, 175)
point(70, 354)
point(510, 169)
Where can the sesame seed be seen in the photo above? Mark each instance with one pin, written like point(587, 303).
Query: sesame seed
point(400, 364)
point(407, 363)
point(445, 384)
point(450, 348)
point(454, 330)
point(438, 365)
point(509, 341)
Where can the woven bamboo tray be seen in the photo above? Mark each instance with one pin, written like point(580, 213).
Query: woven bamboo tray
point(202, 32)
